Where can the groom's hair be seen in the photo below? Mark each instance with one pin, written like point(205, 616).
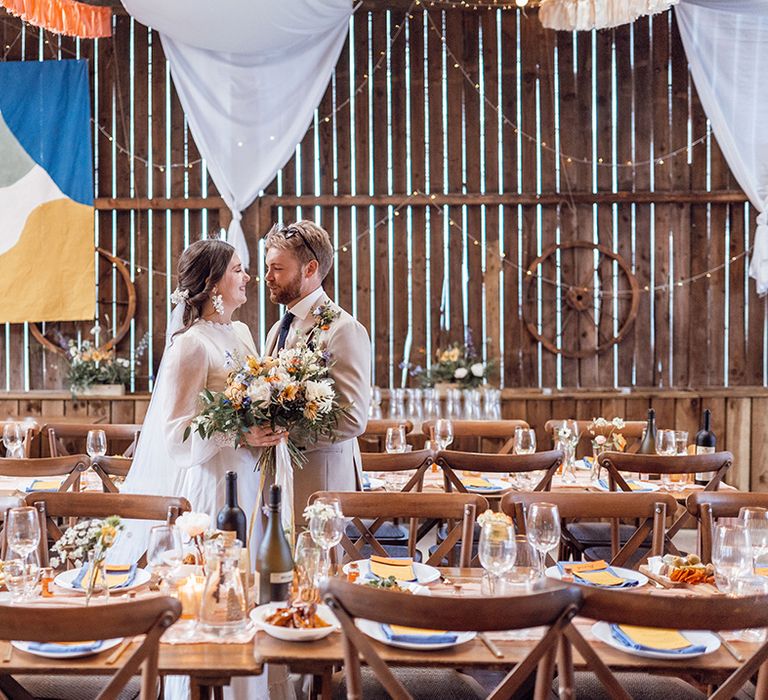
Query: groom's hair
point(307, 240)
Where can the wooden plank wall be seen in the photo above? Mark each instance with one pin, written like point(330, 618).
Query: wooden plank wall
point(516, 138)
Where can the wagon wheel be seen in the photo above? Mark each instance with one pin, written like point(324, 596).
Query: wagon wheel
point(125, 304)
point(598, 298)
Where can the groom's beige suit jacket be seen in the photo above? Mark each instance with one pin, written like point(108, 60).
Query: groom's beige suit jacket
point(334, 466)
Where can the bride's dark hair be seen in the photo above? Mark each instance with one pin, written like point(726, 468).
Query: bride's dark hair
point(200, 268)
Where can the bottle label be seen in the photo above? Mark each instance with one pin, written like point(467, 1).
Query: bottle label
point(281, 577)
point(704, 477)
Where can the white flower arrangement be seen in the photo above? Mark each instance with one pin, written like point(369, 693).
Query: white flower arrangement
point(493, 517)
point(320, 510)
point(193, 524)
point(85, 537)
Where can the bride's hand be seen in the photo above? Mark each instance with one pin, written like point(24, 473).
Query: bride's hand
point(264, 437)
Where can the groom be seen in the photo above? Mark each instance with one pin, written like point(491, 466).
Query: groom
point(299, 257)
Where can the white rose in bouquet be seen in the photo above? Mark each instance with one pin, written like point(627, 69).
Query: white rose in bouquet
point(320, 392)
point(461, 373)
point(193, 524)
point(477, 369)
point(260, 392)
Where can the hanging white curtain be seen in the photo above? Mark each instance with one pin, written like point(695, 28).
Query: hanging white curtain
point(249, 74)
point(726, 42)
point(581, 15)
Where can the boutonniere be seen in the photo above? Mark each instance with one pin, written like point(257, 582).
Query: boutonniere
point(325, 315)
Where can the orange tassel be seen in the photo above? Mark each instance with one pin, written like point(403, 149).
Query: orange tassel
point(64, 17)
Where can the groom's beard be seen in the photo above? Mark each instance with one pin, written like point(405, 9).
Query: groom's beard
point(287, 293)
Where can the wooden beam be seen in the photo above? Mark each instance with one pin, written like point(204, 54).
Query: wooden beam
point(144, 204)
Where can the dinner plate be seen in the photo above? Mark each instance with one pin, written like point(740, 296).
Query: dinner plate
point(106, 644)
point(373, 630)
point(290, 634)
point(642, 579)
point(65, 579)
point(495, 485)
point(373, 484)
point(602, 630)
point(414, 588)
point(647, 486)
point(424, 573)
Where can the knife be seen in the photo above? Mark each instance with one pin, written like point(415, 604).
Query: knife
point(491, 645)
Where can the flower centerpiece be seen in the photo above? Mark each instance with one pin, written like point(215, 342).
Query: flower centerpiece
point(89, 365)
point(494, 519)
point(457, 364)
point(606, 435)
point(196, 528)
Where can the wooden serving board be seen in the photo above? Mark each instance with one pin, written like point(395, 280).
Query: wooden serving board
point(706, 589)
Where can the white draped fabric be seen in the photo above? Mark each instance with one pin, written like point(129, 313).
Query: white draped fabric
point(249, 74)
point(726, 42)
point(580, 15)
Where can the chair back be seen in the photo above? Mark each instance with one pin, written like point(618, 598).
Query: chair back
point(650, 509)
point(52, 506)
point(632, 433)
point(29, 430)
point(149, 617)
point(107, 468)
point(552, 607)
point(70, 466)
point(694, 613)
point(451, 462)
point(414, 507)
point(480, 432)
point(65, 438)
point(372, 440)
point(418, 460)
point(708, 506)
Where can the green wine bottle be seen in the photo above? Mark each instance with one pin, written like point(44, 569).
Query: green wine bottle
point(274, 563)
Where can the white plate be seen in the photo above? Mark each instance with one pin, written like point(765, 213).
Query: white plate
point(373, 630)
point(554, 572)
point(424, 573)
point(414, 588)
point(374, 484)
point(289, 634)
point(602, 630)
point(108, 644)
point(65, 579)
point(647, 486)
point(496, 485)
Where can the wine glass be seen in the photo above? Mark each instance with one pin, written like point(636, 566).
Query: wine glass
point(21, 576)
point(525, 569)
point(443, 433)
point(496, 550)
point(756, 521)
point(164, 552)
point(327, 527)
point(308, 557)
point(23, 533)
point(666, 447)
point(524, 444)
point(542, 524)
point(395, 441)
point(96, 443)
point(731, 555)
point(12, 439)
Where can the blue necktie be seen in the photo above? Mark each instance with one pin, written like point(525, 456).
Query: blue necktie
point(285, 325)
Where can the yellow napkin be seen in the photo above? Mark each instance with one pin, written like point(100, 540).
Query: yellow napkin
point(655, 638)
point(635, 486)
point(586, 566)
point(74, 644)
point(761, 571)
point(601, 578)
point(401, 569)
point(117, 574)
point(401, 629)
point(476, 482)
point(41, 485)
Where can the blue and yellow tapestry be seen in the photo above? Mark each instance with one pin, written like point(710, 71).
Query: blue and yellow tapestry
point(46, 192)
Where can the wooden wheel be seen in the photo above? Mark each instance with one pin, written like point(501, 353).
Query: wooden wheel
point(595, 291)
point(125, 304)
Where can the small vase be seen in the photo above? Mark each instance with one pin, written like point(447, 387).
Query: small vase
point(95, 580)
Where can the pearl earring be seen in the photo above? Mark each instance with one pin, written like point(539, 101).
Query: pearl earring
point(218, 302)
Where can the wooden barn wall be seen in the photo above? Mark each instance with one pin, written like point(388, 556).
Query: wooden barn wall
point(452, 147)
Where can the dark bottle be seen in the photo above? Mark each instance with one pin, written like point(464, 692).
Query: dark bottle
point(274, 563)
point(231, 517)
point(648, 444)
point(706, 442)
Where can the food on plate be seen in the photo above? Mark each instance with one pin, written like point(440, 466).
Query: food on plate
point(299, 616)
point(388, 584)
point(688, 569)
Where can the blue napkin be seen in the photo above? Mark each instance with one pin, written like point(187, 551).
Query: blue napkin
point(53, 648)
point(447, 638)
point(584, 582)
point(366, 482)
point(130, 576)
point(604, 484)
point(622, 639)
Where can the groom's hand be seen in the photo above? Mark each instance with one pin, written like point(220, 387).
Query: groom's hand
point(265, 437)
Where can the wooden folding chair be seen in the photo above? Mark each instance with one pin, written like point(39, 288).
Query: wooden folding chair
point(61, 436)
point(69, 466)
point(714, 614)
point(497, 431)
point(650, 509)
point(708, 506)
point(107, 468)
point(553, 607)
point(451, 462)
point(149, 617)
point(376, 432)
point(420, 460)
point(101, 505)
point(632, 433)
point(414, 507)
point(717, 463)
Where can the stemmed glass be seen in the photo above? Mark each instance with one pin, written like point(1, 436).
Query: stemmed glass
point(164, 552)
point(327, 527)
point(23, 533)
point(666, 447)
point(524, 444)
point(755, 520)
point(308, 557)
point(12, 440)
point(395, 440)
point(731, 555)
point(567, 438)
point(443, 432)
point(496, 550)
point(96, 443)
point(542, 524)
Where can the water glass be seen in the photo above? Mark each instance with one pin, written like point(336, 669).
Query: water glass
point(681, 442)
point(395, 440)
point(453, 403)
point(472, 409)
point(21, 575)
point(542, 524)
point(12, 440)
point(397, 403)
point(496, 550)
point(748, 586)
point(731, 556)
point(525, 569)
point(374, 409)
point(415, 405)
point(756, 521)
point(525, 441)
point(308, 560)
point(431, 404)
point(164, 552)
point(443, 433)
point(96, 443)
point(327, 528)
point(23, 530)
point(665, 443)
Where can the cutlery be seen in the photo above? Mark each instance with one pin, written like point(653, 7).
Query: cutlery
point(728, 647)
point(8, 653)
point(117, 653)
point(491, 645)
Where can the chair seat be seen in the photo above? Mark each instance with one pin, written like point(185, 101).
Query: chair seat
point(421, 683)
point(393, 550)
point(640, 686)
point(595, 534)
point(73, 687)
point(604, 553)
point(388, 533)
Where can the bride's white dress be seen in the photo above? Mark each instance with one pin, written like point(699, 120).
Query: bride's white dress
point(166, 464)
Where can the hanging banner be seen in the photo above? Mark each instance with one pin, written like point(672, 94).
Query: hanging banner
point(46, 192)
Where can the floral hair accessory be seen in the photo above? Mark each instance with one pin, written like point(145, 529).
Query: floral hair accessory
point(179, 296)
